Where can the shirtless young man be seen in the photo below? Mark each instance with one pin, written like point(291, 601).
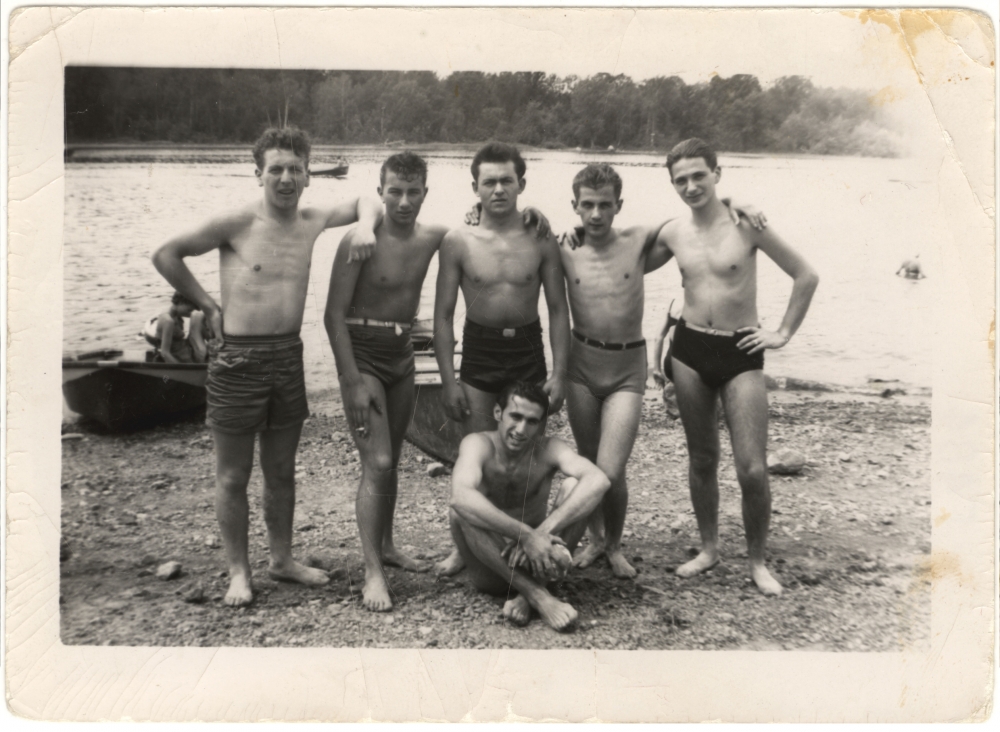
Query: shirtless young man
point(718, 350)
point(500, 267)
point(255, 377)
point(500, 494)
point(607, 364)
point(368, 318)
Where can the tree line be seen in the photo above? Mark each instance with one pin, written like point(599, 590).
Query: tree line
point(736, 114)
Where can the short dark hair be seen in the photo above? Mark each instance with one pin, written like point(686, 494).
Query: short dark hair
point(181, 299)
point(530, 392)
point(596, 176)
point(692, 148)
point(406, 165)
point(498, 152)
point(281, 138)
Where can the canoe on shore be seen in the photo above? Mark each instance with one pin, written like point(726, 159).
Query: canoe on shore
point(431, 429)
point(123, 390)
point(338, 171)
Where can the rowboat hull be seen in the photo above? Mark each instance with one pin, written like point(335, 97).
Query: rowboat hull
point(431, 429)
point(123, 391)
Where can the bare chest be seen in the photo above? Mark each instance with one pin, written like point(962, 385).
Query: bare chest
point(495, 262)
point(600, 274)
point(723, 255)
point(397, 266)
point(270, 251)
point(509, 488)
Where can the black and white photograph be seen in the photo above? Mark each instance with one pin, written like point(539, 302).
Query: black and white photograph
point(645, 349)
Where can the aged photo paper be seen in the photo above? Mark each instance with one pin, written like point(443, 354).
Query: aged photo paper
point(934, 69)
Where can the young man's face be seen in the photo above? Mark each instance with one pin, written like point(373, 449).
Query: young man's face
point(402, 197)
point(694, 181)
point(519, 423)
point(498, 187)
point(284, 176)
point(597, 209)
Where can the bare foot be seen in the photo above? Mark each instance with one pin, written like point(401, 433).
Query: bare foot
point(240, 591)
point(701, 563)
point(395, 558)
point(559, 615)
point(375, 594)
point(620, 566)
point(292, 571)
point(452, 565)
point(517, 611)
point(764, 581)
point(588, 555)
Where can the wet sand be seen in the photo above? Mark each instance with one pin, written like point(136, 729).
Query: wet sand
point(850, 541)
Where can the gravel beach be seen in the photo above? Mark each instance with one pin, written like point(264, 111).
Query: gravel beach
point(850, 542)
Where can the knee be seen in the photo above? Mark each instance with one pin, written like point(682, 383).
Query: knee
point(381, 464)
point(751, 473)
point(232, 480)
point(705, 461)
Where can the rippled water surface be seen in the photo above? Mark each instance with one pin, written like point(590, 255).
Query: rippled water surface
point(854, 219)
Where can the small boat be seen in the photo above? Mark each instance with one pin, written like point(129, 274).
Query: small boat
point(338, 171)
point(431, 429)
point(126, 390)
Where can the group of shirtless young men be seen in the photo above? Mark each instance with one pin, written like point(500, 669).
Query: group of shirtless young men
point(504, 535)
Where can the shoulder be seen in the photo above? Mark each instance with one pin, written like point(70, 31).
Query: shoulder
point(476, 445)
point(233, 220)
point(432, 234)
point(554, 448)
point(456, 240)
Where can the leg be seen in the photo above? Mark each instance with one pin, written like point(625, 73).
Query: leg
point(375, 499)
point(584, 410)
point(233, 463)
point(745, 401)
point(696, 403)
point(481, 550)
point(277, 462)
point(399, 401)
point(619, 424)
point(480, 419)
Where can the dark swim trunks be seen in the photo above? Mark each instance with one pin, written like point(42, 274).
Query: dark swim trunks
point(607, 368)
point(379, 352)
point(494, 357)
point(256, 383)
point(715, 357)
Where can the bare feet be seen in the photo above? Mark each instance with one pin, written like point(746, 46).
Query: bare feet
point(240, 591)
point(452, 565)
point(589, 554)
point(375, 594)
point(764, 581)
point(517, 611)
point(292, 571)
point(559, 615)
point(620, 566)
point(395, 558)
point(701, 563)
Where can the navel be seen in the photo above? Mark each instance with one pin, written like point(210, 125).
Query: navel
point(528, 278)
point(476, 278)
point(626, 276)
point(256, 268)
point(383, 278)
point(578, 280)
point(732, 266)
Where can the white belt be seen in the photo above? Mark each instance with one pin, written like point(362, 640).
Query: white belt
point(400, 328)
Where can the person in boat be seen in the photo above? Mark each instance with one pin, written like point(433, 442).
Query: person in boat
point(499, 507)
point(607, 363)
point(255, 373)
point(718, 350)
point(369, 314)
point(500, 268)
point(165, 332)
point(911, 269)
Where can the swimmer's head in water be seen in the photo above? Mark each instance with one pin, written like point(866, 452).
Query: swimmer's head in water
point(406, 165)
point(693, 147)
point(499, 152)
point(596, 176)
point(281, 138)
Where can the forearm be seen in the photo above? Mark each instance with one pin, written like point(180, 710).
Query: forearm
point(444, 346)
point(474, 508)
point(369, 213)
point(559, 340)
point(176, 272)
point(586, 496)
point(798, 304)
point(343, 351)
point(658, 350)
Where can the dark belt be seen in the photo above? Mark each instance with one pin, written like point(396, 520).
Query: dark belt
point(609, 346)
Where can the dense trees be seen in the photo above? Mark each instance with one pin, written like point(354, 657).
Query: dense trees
point(233, 105)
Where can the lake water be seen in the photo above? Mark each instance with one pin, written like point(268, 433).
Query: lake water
point(854, 219)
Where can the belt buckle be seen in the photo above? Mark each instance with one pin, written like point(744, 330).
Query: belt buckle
point(509, 332)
